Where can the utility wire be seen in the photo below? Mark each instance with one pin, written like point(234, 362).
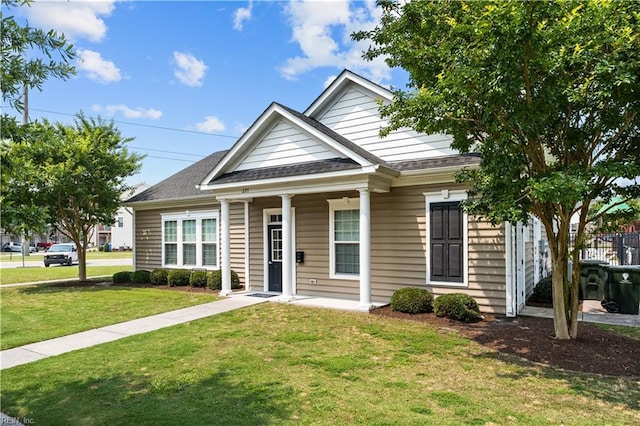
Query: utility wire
point(146, 125)
point(166, 152)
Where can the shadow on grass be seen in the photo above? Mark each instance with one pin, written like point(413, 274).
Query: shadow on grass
point(614, 390)
point(88, 286)
point(140, 400)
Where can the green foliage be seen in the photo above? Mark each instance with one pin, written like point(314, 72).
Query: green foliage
point(178, 277)
point(214, 280)
point(542, 292)
point(122, 277)
point(159, 276)
point(141, 277)
point(547, 93)
point(198, 279)
point(74, 175)
point(412, 300)
point(457, 306)
point(27, 56)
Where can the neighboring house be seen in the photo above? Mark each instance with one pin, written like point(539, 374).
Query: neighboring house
point(316, 203)
point(120, 233)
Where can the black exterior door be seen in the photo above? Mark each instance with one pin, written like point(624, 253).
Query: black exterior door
point(275, 257)
point(446, 235)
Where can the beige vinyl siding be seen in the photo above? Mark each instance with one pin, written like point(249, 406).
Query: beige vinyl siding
point(148, 238)
point(529, 272)
point(356, 116)
point(398, 248)
point(285, 144)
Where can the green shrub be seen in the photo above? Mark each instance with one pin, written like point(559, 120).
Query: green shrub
point(178, 277)
point(458, 307)
point(198, 279)
point(159, 276)
point(122, 277)
point(214, 280)
point(412, 300)
point(542, 292)
point(141, 277)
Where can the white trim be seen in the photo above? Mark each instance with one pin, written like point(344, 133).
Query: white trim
point(521, 283)
point(247, 269)
point(510, 298)
point(198, 216)
point(335, 205)
point(444, 196)
point(265, 245)
point(365, 248)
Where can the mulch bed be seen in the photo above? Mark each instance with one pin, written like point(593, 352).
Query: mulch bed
point(594, 351)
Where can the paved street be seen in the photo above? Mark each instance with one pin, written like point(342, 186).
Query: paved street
point(35, 260)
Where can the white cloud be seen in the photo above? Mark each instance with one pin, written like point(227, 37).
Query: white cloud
point(241, 15)
point(190, 70)
point(76, 19)
point(210, 124)
point(127, 112)
point(323, 33)
point(97, 68)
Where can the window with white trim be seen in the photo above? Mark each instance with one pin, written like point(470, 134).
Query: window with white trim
point(344, 229)
point(447, 239)
point(190, 239)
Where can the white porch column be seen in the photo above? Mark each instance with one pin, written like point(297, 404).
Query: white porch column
point(365, 248)
point(225, 238)
point(287, 255)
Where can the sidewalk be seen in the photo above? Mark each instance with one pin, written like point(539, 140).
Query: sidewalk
point(37, 351)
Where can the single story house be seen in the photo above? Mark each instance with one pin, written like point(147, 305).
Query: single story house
point(316, 203)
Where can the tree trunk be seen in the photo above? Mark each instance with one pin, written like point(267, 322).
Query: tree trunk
point(82, 262)
point(560, 324)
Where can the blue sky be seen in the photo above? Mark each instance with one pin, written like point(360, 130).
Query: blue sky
point(186, 79)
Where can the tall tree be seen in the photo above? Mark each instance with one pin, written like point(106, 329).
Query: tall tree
point(30, 56)
point(547, 92)
point(74, 173)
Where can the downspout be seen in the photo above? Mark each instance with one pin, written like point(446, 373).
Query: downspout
point(247, 282)
point(134, 245)
point(509, 276)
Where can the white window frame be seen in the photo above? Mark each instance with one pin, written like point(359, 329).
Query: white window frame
point(198, 217)
point(336, 205)
point(445, 196)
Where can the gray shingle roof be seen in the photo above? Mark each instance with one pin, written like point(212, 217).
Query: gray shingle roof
point(459, 160)
point(313, 167)
point(182, 184)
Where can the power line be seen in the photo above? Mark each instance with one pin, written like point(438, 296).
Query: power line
point(146, 125)
point(166, 152)
point(172, 159)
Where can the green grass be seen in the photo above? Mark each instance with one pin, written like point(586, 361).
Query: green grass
point(27, 275)
point(632, 332)
point(281, 364)
point(32, 314)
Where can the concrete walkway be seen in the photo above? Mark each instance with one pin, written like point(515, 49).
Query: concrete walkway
point(37, 351)
point(592, 311)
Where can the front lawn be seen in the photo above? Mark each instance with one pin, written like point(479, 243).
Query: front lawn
point(281, 364)
point(35, 274)
point(32, 314)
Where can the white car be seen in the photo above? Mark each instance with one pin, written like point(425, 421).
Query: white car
point(16, 248)
point(61, 254)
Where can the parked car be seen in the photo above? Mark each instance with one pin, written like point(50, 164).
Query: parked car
point(45, 246)
point(61, 254)
point(16, 248)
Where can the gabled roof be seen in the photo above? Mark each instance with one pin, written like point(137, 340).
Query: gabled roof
point(341, 83)
point(276, 112)
point(182, 184)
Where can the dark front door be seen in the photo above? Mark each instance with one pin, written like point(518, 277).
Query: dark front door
point(275, 257)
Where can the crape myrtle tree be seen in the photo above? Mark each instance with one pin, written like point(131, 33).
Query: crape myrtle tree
point(74, 173)
point(548, 93)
